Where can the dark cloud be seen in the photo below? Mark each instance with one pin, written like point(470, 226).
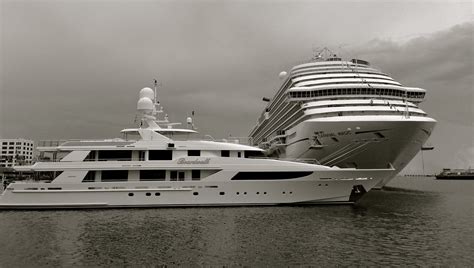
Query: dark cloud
point(72, 69)
point(441, 63)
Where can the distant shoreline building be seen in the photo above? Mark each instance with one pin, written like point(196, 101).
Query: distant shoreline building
point(16, 152)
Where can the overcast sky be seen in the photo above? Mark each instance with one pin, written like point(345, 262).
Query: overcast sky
point(73, 69)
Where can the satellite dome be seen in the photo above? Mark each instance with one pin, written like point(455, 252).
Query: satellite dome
point(145, 104)
point(147, 93)
point(283, 75)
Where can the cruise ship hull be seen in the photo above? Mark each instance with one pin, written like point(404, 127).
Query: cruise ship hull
point(358, 142)
point(184, 194)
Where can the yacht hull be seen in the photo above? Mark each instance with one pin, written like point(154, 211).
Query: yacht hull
point(184, 194)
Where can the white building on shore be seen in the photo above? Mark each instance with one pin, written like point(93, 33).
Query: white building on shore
point(16, 152)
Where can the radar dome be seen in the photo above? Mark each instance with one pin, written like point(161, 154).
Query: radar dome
point(283, 75)
point(145, 105)
point(147, 93)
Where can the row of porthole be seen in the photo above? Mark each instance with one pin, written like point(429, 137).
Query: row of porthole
point(323, 184)
point(147, 194)
point(220, 193)
point(238, 193)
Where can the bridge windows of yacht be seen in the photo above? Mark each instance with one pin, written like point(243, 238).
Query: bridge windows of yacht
point(115, 155)
point(225, 153)
point(160, 155)
point(194, 153)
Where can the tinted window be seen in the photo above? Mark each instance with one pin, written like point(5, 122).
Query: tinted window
point(173, 175)
point(225, 153)
point(160, 155)
point(194, 153)
point(114, 175)
point(89, 177)
point(195, 174)
point(270, 175)
point(253, 154)
point(120, 155)
point(152, 175)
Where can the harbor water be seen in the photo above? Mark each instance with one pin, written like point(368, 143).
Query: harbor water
point(415, 221)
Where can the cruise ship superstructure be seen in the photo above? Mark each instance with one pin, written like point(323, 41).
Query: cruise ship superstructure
point(155, 171)
point(346, 114)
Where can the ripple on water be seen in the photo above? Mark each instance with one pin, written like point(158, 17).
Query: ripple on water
point(394, 227)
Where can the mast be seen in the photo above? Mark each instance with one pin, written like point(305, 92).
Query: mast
point(156, 93)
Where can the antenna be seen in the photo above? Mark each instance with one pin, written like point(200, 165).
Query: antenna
point(156, 94)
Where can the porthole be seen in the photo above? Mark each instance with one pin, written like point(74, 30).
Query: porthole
point(291, 192)
point(130, 194)
point(245, 192)
point(148, 194)
point(264, 192)
point(221, 193)
point(157, 194)
point(237, 193)
point(195, 193)
point(284, 192)
point(326, 184)
point(258, 192)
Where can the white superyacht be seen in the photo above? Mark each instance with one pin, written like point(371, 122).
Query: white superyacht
point(343, 113)
point(157, 171)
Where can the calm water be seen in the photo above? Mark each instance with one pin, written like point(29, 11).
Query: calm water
point(419, 221)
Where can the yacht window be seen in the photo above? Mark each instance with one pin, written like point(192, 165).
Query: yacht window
point(152, 175)
point(141, 155)
point(160, 155)
point(239, 154)
point(181, 176)
point(90, 177)
point(173, 175)
point(195, 174)
point(91, 156)
point(114, 175)
point(270, 175)
point(116, 155)
point(194, 153)
point(225, 153)
point(253, 154)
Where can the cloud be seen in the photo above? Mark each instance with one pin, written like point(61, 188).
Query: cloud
point(73, 70)
point(441, 63)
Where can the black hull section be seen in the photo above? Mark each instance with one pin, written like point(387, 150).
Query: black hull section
point(456, 177)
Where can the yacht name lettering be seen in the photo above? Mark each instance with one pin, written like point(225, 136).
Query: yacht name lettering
point(183, 161)
point(322, 134)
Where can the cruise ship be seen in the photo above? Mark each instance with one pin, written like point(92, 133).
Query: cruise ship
point(150, 168)
point(343, 113)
